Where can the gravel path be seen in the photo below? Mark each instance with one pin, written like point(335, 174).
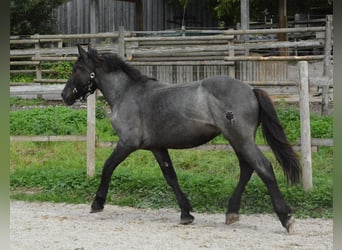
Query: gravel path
point(64, 226)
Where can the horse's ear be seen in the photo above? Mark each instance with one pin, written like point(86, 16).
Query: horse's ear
point(82, 52)
point(92, 53)
point(90, 48)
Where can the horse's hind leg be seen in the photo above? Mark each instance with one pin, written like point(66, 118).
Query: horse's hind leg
point(234, 202)
point(257, 161)
point(265, 171)
point(164, 161)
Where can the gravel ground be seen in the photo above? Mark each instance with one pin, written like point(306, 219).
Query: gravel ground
point(63, 226)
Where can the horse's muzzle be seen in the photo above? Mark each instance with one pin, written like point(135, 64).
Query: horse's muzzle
point(68, 96)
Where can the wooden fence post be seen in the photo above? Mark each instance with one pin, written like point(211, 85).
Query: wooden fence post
point(122, 42)
point(231, 68)
point(38, 66)
point(91, 101)
point(327, 64)
point(305, 131)
point(91, 134)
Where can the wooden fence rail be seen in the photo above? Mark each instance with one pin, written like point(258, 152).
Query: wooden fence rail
point(316, 143)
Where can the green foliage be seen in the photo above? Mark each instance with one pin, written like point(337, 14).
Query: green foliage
point(31, 17)
point(22, 102)
point(321, 126)
point(228, 11)
point(62, 69)
point(184, 2)
point(58, 120)
point(20, 78)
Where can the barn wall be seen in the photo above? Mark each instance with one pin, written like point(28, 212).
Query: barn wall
point(73, 17)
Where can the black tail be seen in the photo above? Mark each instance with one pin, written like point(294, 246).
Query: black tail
point(276, 138)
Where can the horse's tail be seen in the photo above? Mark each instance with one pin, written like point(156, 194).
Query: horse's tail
point(276, 138)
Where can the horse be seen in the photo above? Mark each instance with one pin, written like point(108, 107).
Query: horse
point(151, 115)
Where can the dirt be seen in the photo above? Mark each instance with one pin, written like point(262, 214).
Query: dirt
point(64, 226)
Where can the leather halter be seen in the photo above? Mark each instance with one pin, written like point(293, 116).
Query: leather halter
point(92, 86)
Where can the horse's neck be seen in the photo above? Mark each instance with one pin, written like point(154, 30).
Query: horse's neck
point(113, 86)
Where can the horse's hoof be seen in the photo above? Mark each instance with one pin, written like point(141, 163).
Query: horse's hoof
point(96, 207)
point(289, 225)
point(92, 210)
point(231, 218)
point(185, 220)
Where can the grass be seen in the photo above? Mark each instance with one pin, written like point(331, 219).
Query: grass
point(23, 102)
point(56, 171)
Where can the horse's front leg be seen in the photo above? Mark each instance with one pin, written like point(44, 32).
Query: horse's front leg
point(118, 155)
point(164, 161)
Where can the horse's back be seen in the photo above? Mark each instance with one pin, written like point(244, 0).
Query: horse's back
point(225, 86)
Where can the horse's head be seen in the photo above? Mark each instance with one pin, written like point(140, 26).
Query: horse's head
point(82, 81)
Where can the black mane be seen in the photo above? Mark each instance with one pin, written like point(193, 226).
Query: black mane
point(112, 62)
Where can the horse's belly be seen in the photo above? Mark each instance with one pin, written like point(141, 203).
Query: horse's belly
point(179, 137)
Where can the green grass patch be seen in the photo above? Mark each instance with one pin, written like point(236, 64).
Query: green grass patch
point(22, 102)
point(56, 172)
point(58, 120)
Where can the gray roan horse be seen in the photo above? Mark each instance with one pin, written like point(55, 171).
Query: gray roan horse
point(147, 114)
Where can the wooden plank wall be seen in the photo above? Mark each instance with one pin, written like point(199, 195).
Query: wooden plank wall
point(73, 16)
point(182, 73)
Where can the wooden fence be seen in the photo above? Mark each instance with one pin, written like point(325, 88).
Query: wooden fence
point(178, 58)
point(181, 56)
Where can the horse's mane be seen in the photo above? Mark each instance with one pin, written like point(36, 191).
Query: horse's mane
point(111, 62)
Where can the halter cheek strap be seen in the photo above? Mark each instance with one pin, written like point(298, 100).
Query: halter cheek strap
point(92, 83)
point(92, 86)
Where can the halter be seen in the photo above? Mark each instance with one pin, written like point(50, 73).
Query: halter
point(92, 83)
point(92, 86)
